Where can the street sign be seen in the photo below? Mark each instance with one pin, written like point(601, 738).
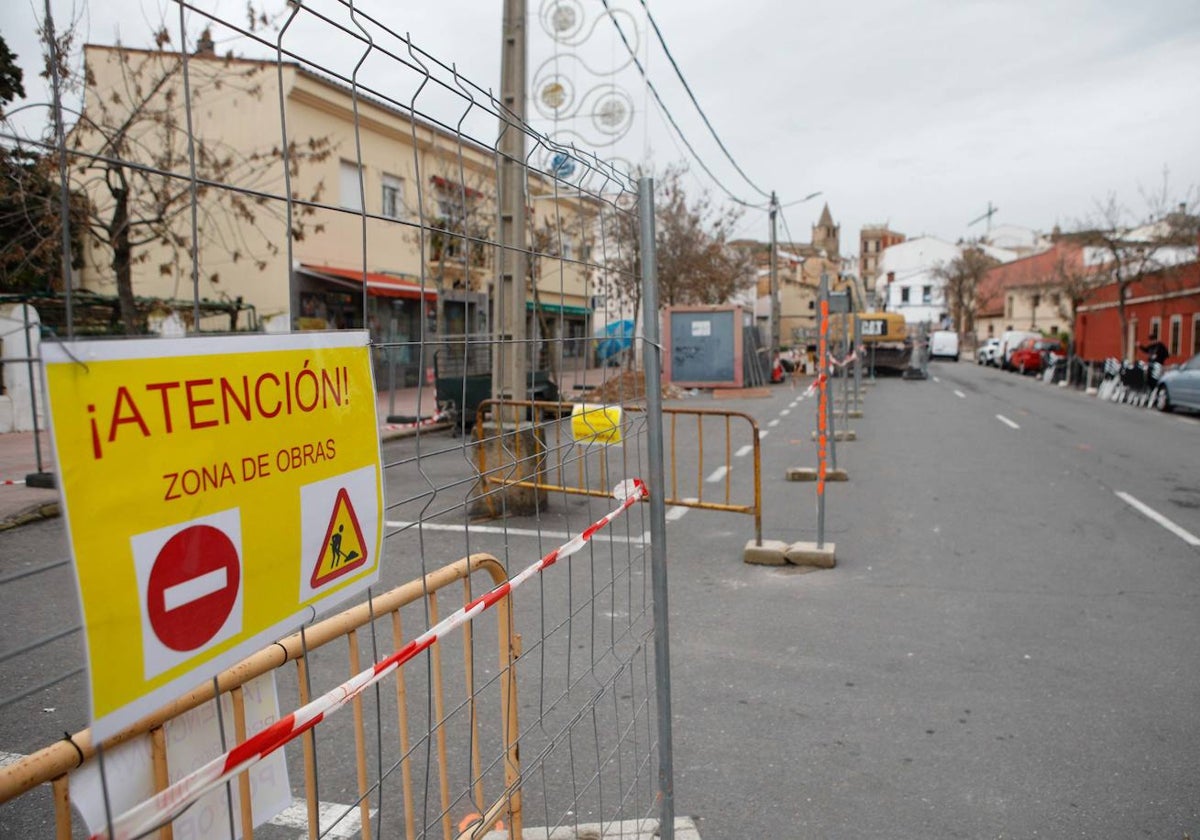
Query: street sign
point(217, 492)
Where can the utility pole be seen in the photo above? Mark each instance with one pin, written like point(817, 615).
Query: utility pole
point(776, 308)
point(508, 304)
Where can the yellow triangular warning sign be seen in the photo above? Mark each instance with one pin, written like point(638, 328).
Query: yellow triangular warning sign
point(344, 548)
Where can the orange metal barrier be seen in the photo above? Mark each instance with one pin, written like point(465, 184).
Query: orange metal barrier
point(54, 763)
point(561, 466)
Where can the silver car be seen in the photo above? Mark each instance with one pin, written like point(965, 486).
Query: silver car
point(1179, 387)
point(986, 354)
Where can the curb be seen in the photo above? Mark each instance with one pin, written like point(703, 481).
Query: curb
point(36, 513)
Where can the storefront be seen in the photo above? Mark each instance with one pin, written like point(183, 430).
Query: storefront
point(561, 326)
point(330, 298)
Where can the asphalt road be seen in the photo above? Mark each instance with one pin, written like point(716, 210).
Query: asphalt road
point(1007, 647)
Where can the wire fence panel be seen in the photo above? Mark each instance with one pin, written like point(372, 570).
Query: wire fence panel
point(320, 170)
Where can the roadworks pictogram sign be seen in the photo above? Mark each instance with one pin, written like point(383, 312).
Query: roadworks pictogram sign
point(343, 550)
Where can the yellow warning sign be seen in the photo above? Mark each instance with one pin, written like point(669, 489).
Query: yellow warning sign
point(343, 550)
point(596, 423)
point(198, 479)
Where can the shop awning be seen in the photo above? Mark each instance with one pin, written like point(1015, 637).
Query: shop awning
point(562, 309)
point(378, 285)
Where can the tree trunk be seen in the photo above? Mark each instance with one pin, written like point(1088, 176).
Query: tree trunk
point(122, 262)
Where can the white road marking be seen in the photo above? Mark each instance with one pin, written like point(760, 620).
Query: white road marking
point(296, 816)
point(762, 433)
point(959, 394)
point(1143, 508)
point(676, 512)
point(516, 532)
point(1007, 422)
point(717, 474)
point(785, 412)
point(935, 379)
point(198, 587)
point(745, 450)
point(774, 423)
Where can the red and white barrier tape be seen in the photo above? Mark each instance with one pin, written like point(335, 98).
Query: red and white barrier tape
point(834, 361)
point(176, 798)
point(9, 482)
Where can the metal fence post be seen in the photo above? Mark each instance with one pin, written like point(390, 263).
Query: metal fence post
point(656, 483)
point(857, 362)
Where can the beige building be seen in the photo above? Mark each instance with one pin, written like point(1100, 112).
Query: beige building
point(379, 198)
point(872, 240)
point(800, 265)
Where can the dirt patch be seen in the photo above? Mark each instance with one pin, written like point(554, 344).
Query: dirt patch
point(628, 386)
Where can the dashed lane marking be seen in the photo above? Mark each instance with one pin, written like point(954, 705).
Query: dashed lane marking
point(774, 423)
point(1007, 422)
point(959, 394)
point(717, 474)
point(785, 412)
point(1149, 512)
point(762, 433)
point(745, 450)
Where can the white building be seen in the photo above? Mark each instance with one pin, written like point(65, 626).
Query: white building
point(908, 283)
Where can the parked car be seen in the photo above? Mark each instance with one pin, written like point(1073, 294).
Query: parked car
point(986, 354)
point(943, 344)
point(1034, 354)
point(1179, 387)
point(1009, 340)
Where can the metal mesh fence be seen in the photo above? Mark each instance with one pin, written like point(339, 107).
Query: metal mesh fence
point(320, 170)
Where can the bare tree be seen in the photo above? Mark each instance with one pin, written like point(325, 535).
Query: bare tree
point(131, 158)
point(962, 277)
point(457, 211)
point(1133, 253)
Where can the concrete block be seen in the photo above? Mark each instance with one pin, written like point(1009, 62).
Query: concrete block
point(770, 553)
point(808, 554)
point(841, 434)
point(810, 474)
point(855, 414)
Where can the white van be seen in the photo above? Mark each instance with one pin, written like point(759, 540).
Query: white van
point(1008, 343)
point(943, 344)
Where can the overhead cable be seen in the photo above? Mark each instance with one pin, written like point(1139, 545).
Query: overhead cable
point(692, 96)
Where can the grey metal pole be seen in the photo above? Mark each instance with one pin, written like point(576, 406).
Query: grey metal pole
point(823, 296)
point(845, 371)
point(656, 483)
point(776, 305)
point(33, 403)
point(823, 437)
point(64, 198)
point(857, 362)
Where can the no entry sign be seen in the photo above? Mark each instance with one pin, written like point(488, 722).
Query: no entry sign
point(193, 586)
point(192, 472)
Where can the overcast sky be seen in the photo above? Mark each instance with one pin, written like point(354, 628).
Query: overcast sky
point(912, 112)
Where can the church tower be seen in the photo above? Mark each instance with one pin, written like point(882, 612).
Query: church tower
point(825, 234)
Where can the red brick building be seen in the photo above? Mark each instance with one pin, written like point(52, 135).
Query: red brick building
point(1164, 306)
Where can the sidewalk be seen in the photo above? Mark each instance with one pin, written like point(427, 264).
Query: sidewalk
point(20, 503)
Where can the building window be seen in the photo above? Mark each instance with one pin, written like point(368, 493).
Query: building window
point(393, 197)
point(1155, 328)
point(1036, 301)
point(1196, 333)
point(904, 294)
point(349, 186)
point(1175, 338)
point(1008, 306)
point(927, 294)
point(991, 330)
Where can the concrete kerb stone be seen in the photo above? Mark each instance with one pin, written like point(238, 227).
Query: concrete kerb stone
point(34, 513)
point(809, 554)
point(770, 553)
point(841, 434)
point(810, 474)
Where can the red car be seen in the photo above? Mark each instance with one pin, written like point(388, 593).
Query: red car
point(1033, 354)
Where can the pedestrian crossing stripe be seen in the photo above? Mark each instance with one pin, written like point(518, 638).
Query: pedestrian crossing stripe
point(343, 550)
